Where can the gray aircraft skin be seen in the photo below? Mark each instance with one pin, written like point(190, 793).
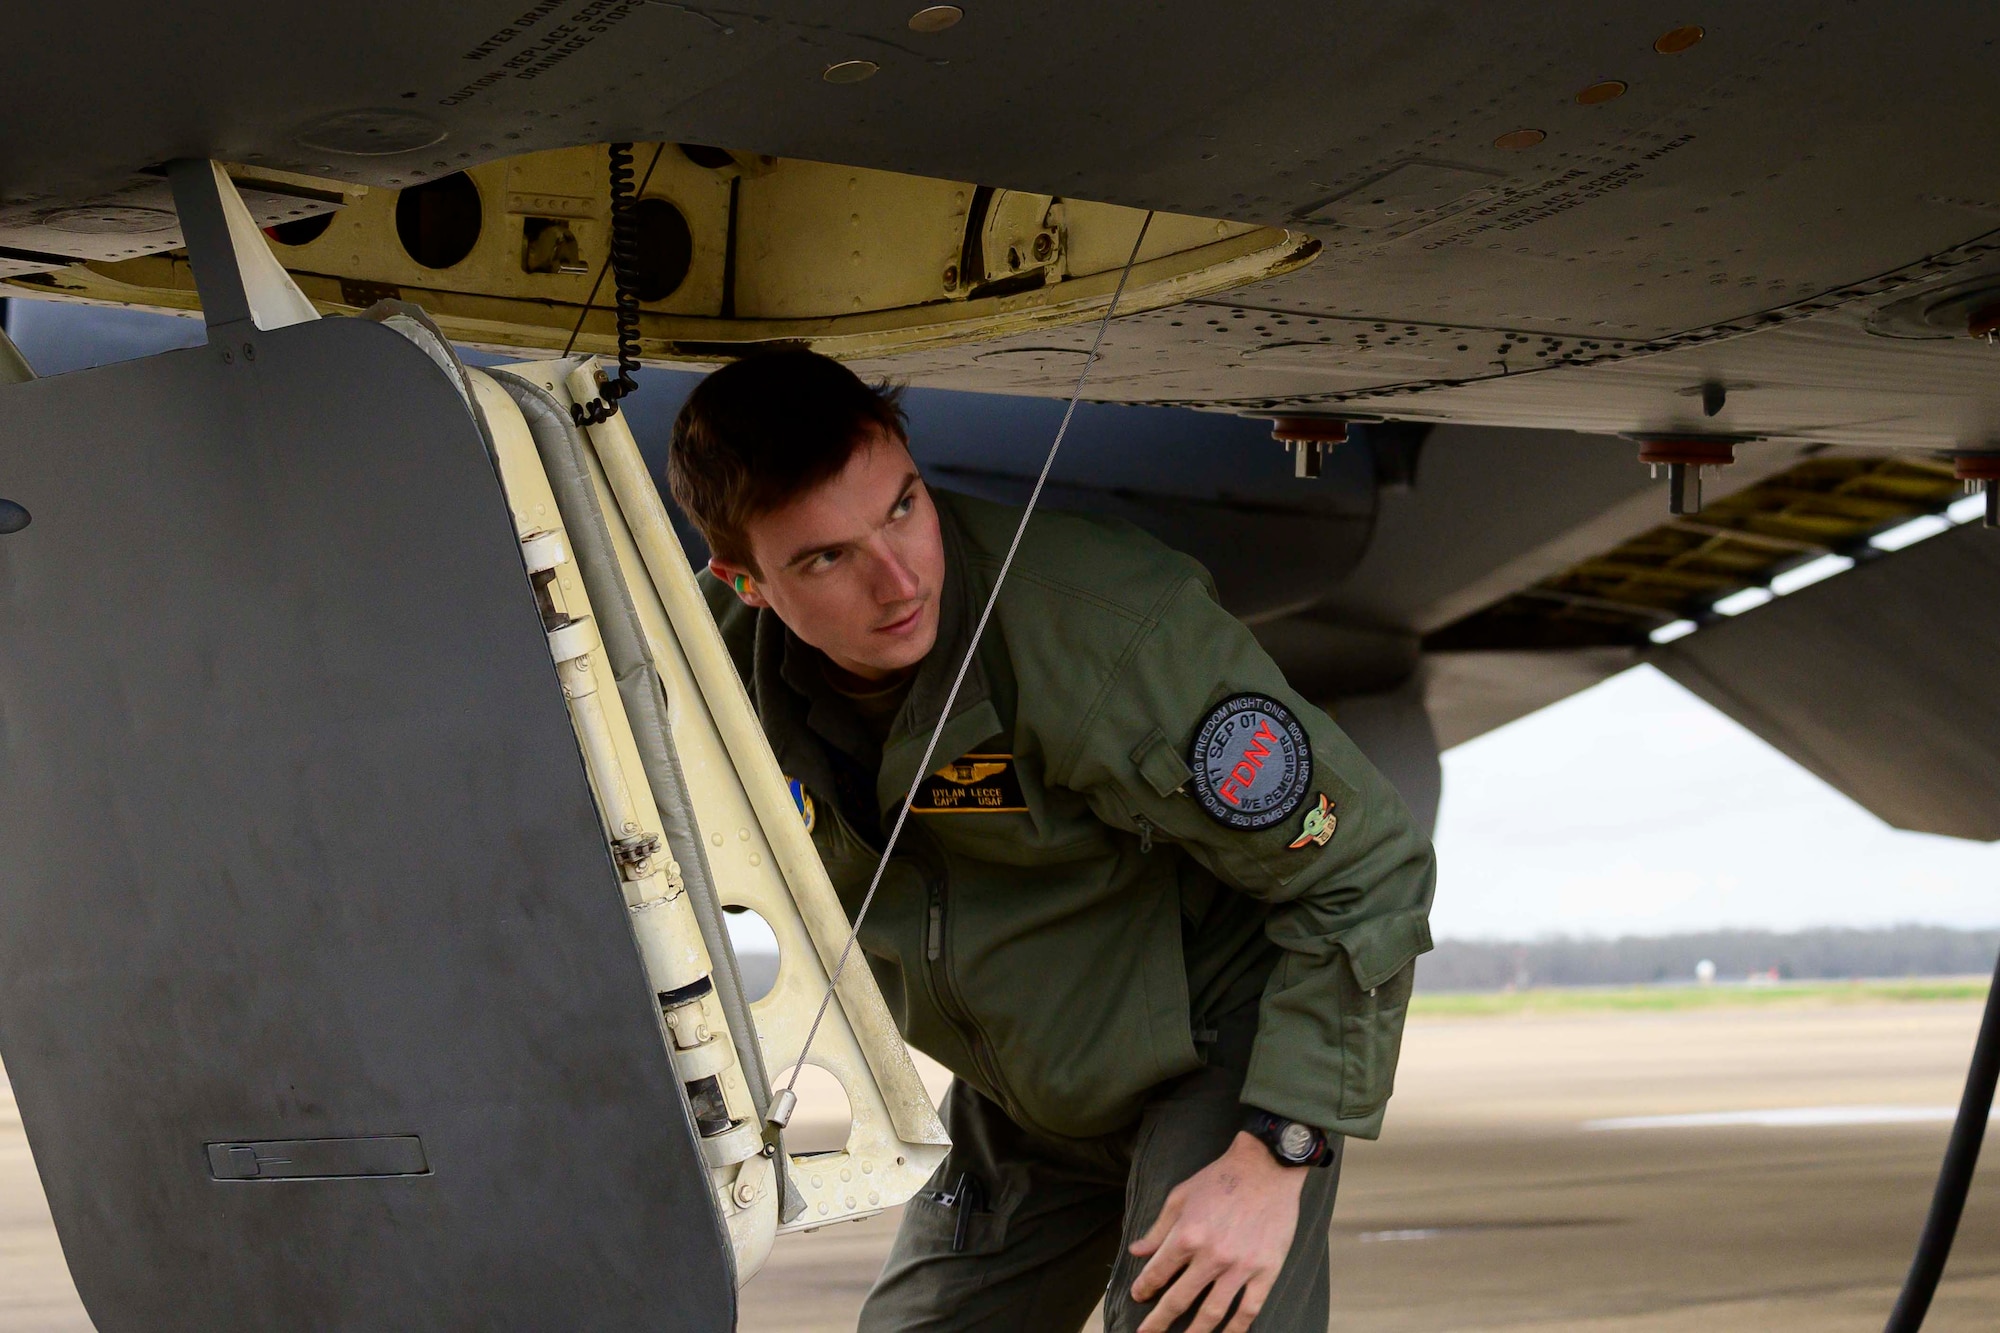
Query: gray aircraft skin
point(1540, 245)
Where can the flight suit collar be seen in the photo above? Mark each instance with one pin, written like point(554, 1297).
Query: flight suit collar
point(786, 708)
point(827, 713)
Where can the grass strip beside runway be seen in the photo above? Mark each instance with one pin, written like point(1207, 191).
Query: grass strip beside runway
point(1677, 997)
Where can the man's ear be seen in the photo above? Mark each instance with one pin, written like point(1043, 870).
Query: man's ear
point(740, 581)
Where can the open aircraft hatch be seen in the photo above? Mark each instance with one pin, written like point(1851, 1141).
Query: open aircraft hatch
point(373, 782)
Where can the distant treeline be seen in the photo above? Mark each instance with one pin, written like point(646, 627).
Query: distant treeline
point(1896, 951)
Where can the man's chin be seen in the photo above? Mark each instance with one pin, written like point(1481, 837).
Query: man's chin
point(901, 661)
point(901, 654)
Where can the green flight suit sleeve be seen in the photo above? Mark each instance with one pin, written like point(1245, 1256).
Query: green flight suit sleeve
point(1349, 917)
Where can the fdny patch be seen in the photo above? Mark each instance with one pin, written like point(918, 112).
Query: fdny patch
point(1252, 763)
point(972, 784)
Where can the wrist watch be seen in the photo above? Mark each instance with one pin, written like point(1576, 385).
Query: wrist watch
point(1292, 1142)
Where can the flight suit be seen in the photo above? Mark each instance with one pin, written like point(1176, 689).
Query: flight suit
point(1086, 921)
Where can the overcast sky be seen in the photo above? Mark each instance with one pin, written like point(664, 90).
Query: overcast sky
point(1635, 808)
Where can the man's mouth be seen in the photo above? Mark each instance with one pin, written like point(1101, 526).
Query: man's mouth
point(905, 624)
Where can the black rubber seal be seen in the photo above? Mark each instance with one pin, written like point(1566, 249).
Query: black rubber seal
point(688, 994)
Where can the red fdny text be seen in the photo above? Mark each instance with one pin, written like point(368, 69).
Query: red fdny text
point(1245, 773)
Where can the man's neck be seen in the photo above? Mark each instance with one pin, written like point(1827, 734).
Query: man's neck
point(858, 685)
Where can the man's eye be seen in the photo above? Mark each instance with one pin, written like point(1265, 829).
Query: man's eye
point(824, 560)
point(904, 506)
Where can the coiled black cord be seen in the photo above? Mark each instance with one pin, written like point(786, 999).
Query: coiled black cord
point(624, 268)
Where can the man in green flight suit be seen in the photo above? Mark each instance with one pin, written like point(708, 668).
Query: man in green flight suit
point(1152, 908)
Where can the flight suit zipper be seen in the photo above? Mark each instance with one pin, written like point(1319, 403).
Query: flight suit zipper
point(948, 1002)
point(937, 972)
point(944, 991)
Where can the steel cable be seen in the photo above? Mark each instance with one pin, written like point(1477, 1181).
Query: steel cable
point(785, 1102)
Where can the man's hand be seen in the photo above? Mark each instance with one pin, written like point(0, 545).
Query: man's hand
point(1228, 1227)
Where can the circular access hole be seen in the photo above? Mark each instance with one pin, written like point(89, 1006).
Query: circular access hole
point(300, 231)
point(756, 946)
point(438, 221)
point(824, 1117)
point(13, 517)
point(666, 249)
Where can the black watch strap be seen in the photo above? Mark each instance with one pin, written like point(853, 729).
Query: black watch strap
point(1292, 1142)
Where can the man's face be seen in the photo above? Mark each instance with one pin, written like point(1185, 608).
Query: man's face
point(853, 566)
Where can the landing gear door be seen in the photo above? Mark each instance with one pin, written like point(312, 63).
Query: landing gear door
point(317, 989)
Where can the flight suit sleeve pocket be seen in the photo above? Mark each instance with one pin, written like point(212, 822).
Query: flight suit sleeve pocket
point(1378, 948)
point(1371, 1041)
point(1375, 998)
point(1162, 767)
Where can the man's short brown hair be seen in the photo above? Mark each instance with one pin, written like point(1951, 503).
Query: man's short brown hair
point(763, 431)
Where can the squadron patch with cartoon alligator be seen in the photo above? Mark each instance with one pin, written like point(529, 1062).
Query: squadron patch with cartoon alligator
point(1252, 763)
point(972, 784)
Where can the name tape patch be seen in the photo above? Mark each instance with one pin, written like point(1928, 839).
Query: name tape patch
point(1252, 762)
point(972, 784)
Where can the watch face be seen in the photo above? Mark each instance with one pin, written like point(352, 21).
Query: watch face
point(1296, 1141)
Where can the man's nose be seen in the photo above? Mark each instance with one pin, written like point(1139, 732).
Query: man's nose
point(894, 580)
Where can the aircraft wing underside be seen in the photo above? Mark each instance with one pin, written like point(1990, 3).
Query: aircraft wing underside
point(1576, 217)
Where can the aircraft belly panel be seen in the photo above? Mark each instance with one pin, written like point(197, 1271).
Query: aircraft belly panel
point(1874, 681)
point(316, 985)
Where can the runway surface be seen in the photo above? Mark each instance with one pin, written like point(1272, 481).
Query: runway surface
point(1489, 1205)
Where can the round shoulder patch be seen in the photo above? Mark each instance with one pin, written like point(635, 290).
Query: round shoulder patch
point(1252, 762)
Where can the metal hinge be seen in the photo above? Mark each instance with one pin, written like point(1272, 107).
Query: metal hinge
point(635, 851)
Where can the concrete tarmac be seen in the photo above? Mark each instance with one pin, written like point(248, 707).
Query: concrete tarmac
point(1489, 1205)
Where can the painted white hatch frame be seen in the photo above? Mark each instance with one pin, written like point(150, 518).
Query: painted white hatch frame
point(759, 854)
